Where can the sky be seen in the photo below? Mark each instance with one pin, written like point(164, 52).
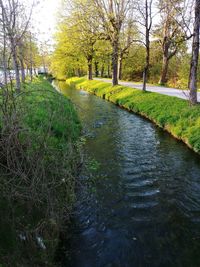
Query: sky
point(45, 18)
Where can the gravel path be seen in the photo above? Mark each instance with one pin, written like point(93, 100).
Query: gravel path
point(156, 89)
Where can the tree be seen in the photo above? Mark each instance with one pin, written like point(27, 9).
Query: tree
point(14, 22)
point(103, 52)
point(29, 56)
point(21, 52)
point(195, 55)
point(145, 20)
point(174, 30)
point(112, 15)
point(4, 62)
point(82, 29)
point(86, 28)
point(134, 63)
point(68, 58)
point(148, 25)
point(128, 36)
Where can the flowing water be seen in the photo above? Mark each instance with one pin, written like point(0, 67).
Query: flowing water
point(146, 207)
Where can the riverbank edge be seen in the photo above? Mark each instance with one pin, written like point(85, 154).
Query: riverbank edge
point(37, 99)
point(172, 114)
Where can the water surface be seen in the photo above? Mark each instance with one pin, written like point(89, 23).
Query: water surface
point(146, 209)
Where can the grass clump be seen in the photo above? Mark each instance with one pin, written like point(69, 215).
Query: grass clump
point(40, 159)
point(171, 113)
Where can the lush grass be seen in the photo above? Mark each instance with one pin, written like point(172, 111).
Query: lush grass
point(173, 114)
point(41, 127)
point(43, 101)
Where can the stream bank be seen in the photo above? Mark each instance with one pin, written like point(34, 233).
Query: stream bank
point(174, 115)
point(39, 164)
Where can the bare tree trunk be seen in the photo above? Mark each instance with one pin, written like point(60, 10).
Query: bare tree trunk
point(21, 59)
point(23, 75)
point(165, 64)
point(148, 24)
point(90, 67)
point(79, 72)
point(5, 67)
point(102, 70)
point(144, 79)
point(31, 72)
point(120, 68)
point(115, 56)
point(109, 69)
point(146, 69)
point(145, 75)
point(195, 56)
point(16, 66)
point(31, 59)
point(96, 68)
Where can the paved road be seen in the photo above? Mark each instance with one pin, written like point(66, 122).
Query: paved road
point(184, 94)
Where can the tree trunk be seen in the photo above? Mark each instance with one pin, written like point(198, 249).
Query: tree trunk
point(144, 79)
point(195, 56)
point(23, 75)
point(147, 44)
point(5, 62)
point(96, 64)
point(146, 69)
point(5, 67)
point(89, 67)
point(79, 72)
point(115, 56)
point(165, 64)
point(102, 70)
point(31, 59)
point(120, 68)
point(17, 75)
point(109, 65)
point(31, 72)
point(21, 60)
point(16, 66)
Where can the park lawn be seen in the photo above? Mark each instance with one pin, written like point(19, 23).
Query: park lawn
point(171, 113)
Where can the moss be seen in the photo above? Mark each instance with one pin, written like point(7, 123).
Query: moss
point(171, 113)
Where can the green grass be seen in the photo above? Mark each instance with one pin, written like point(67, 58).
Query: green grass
point(48, 148)
point(173, 114)
point(43, 102)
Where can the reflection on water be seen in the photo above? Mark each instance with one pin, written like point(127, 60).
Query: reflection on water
point(146, 212)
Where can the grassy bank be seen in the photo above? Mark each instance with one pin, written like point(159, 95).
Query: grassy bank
point(40, 157)
point(173, 114)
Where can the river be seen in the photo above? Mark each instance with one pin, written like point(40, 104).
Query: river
point(145, 211)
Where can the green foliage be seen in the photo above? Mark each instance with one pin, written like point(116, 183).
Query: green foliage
point(67, 59)
point(171, 113)
point(75, 41)
point(134, 63)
